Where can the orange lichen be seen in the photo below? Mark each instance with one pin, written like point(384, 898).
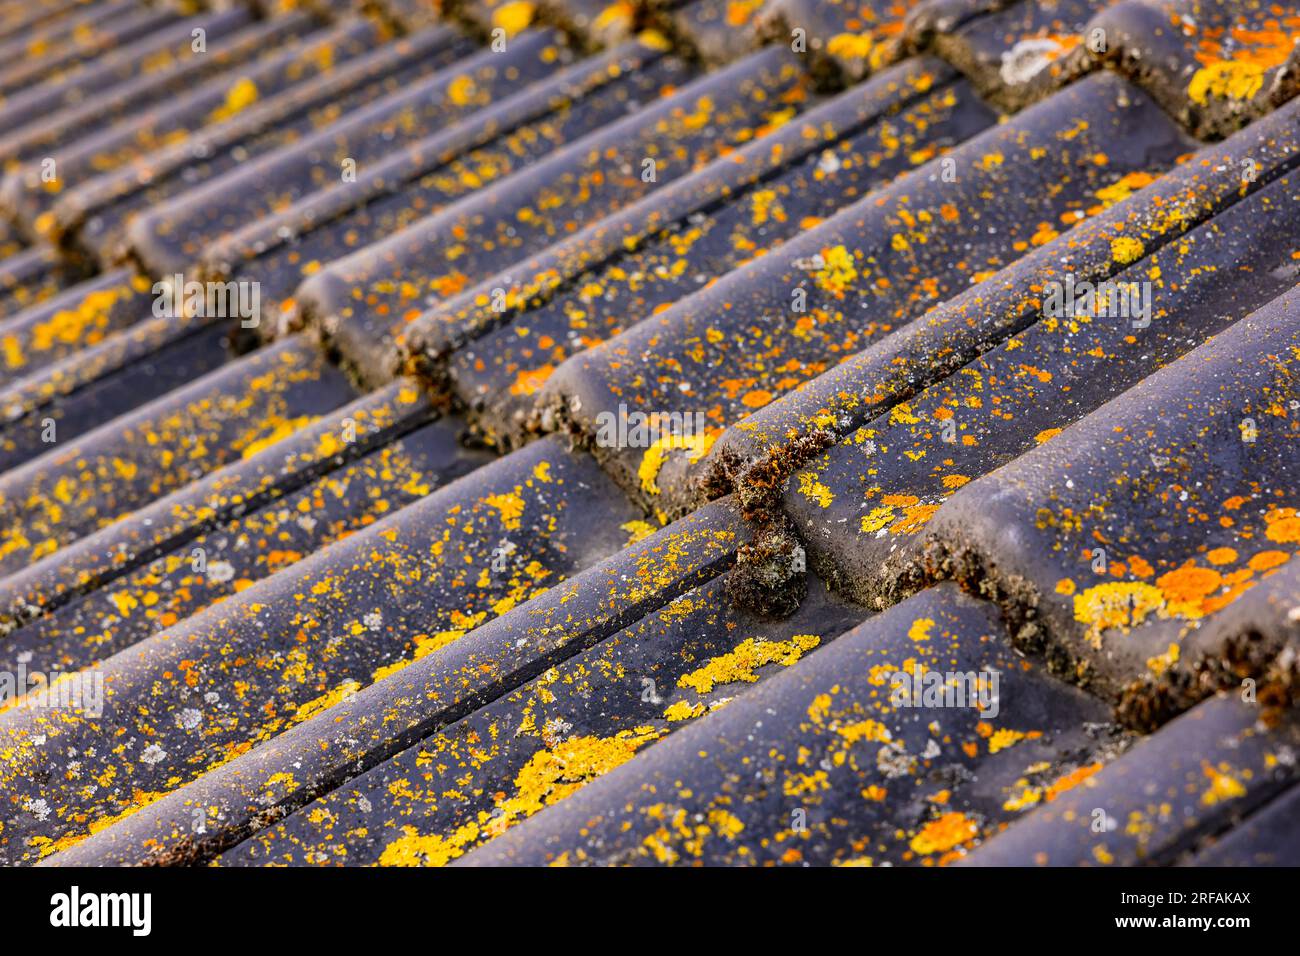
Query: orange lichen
point(948, 831)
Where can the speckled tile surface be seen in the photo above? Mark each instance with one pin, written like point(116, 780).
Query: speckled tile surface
point(649, 432)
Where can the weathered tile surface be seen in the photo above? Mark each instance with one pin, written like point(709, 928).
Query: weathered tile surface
point(835, 761)
point(864, 505)
point(1117, 538)
point(1215, 64)
point(782, 320)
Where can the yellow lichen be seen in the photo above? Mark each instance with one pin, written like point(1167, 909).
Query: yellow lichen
point(1230, 80)
point(741, 663)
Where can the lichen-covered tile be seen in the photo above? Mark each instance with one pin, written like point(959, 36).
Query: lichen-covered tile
point(902, 742)
point(766, 446)
point(65, 48)
point(1113, 542)
point(863, 506)
point(80, 485)
point(1192, 779)
point(718, 31)
point(597, 23)
point(363, 300)
point(510, 17)
point(490, 145)
point(225, 558)
point(771, 326)
point(136, 67)
point(361, 730)
point(100, 383)
point(1020, 53)
point(192, 697)
point(581, 291)
point(260, 106)
point(844, 39)
point(169, 238)
point(246, 484)
point(44, 133)
point(1214, 64)
point(544, 741)
point(75, 319)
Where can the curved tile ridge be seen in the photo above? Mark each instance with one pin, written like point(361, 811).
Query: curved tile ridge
point(320, 754)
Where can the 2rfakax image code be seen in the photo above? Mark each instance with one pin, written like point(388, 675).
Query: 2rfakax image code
point(498, 433)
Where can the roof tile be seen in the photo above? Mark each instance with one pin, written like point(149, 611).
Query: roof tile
point(65, 47)
point(363, 299)
point(71, 321)
point(191, 698)
point(83, 484)
point(583, 290)
point(170, 237)
point(857, 390)
point(140, 67)
point(365, 728)
point(838, 760)
point(540, 743)
point(320, 606)
point(1149, 515)
point(277, 100)
point(1214, 64)
point(123, 101)
point(738, 344)
point(1213, 765)
point(490, 145)
point(864, 505)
